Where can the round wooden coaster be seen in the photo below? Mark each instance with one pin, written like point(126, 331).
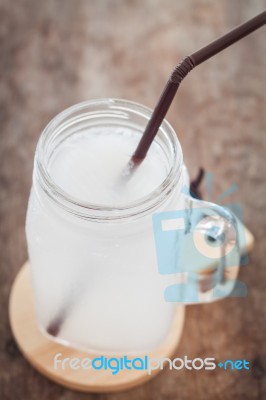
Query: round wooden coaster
point(39, 350)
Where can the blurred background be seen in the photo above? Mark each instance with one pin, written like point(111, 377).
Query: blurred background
point(55, 53)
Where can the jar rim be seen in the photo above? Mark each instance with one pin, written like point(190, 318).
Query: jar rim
point(92, 211)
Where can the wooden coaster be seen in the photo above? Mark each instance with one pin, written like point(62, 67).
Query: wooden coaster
point(40, 350)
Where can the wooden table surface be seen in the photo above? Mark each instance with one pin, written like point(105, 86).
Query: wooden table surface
point(55, 53)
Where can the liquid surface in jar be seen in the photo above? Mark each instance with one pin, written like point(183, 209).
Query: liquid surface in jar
point(89, 165)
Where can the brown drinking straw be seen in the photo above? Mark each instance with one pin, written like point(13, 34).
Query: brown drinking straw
point(180, 72)
point(162, 107)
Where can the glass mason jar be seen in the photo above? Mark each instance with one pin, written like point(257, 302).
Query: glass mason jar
point(103, 277)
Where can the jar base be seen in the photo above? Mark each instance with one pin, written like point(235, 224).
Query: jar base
point(40, 351)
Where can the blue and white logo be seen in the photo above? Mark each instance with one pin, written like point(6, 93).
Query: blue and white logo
point(202, 244)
